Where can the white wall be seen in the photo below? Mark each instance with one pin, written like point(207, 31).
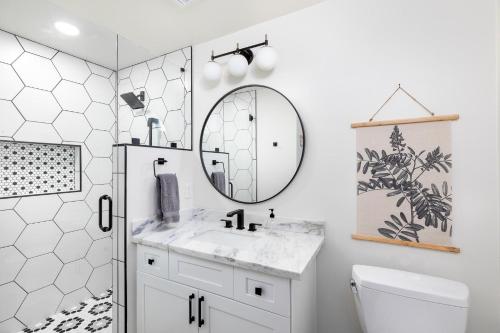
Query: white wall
point(276, 122)
point(338, 62)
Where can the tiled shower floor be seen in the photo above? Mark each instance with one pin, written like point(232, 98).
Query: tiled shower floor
point(92, 315)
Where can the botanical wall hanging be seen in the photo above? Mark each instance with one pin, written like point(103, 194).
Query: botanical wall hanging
point(404, 183)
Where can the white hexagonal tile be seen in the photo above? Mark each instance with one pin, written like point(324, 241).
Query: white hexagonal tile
point(36, 71)
point(12, 260)
point(37, 105)
point(37, 132)
point(72, 96)
point(39, 305)
point(139, 75)
point(174, 124)
point(99, 70)
point(10, 84)
point(173, 63)
point(125, 117)
point(73, 276)
point(10, 49)
point(243, 179)
point(38, 208)
point(243, 159)
point(100, 116)
point(10, 119)
point(215, 140)
point(124, 137)
point(243, 139)
point(12, 296)
point(73, 299)
point(244, 195)
point(95, 193)
point(229, 130)
point(156, 83)
point(100, 89)
point(100, 280)
point(39, 272)
point(8, 204)
point(75, 196)
point(73, 245)
point(100, 252)
point(173, 97)
point(71, 68)
point(157, 109)
point(36, 48)
point(39, 238)
point(11, 325)
point(139, 128)
point(93, 228)
point(186, 76)
point(73, 216)
point(100, 143)
point(242, 120)
point(186, 108)
point(100, 170)
point(155, 63)
point(72, 126)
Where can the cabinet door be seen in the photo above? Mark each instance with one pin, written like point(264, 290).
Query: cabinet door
point(222, 315)
point(163, 306)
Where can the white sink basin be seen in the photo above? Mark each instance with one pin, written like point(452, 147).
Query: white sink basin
point(226, 238)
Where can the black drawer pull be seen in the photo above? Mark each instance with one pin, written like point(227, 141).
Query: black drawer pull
point(201, 322)
point(258, 291)
point(151, 261)
point(191, 317)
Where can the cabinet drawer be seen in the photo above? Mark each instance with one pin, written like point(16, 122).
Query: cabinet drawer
point(274, 291)
point(202, 274)
point(152, 261)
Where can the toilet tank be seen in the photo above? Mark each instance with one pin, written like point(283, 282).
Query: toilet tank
point(393, 301)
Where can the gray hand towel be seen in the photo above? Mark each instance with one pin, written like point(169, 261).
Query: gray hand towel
point(168, 197)
point(219, 181)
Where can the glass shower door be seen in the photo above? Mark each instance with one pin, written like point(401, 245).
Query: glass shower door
point(57, 131)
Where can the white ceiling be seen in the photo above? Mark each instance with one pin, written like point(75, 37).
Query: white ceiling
point(151, 27)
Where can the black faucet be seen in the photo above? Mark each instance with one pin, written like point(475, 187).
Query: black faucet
point(240, 213)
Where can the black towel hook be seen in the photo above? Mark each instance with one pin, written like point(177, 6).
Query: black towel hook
point(159, 161)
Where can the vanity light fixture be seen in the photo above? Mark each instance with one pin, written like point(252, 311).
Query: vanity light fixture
point(67, 28)
point(240, 59)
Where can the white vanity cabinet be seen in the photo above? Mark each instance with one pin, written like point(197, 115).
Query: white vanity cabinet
point(198, 295)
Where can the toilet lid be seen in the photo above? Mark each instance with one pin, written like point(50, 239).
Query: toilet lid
point(418, 286)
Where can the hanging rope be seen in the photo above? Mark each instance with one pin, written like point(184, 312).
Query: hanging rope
point(408, 94)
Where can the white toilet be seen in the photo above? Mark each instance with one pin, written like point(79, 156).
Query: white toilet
point(392, 301)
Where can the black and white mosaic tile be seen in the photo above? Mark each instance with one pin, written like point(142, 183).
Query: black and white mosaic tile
point(30, 168)
point(92, 315)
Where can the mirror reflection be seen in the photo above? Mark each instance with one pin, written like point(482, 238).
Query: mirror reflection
point(252, 144)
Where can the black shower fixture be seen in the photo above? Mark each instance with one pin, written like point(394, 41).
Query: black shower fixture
point(245, 51)
point(133, 100)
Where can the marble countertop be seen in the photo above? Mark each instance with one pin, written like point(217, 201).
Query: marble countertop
point(283, 248)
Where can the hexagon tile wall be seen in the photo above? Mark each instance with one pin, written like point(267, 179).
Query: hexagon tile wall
point(166, 81)
point(230, 130)
point(47, 243)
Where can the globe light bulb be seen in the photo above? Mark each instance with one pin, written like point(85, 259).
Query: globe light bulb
point(237, 65)
point(212, 71)
point(266, 59)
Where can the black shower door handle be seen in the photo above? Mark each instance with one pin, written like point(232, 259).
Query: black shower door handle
point(110, 213)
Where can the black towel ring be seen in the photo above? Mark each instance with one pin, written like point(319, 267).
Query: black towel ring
point(159, 161)
point(215, 162)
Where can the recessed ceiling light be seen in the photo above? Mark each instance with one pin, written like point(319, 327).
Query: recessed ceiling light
point(66, 28)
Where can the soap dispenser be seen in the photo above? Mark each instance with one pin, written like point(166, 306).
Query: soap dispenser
point(271, 217)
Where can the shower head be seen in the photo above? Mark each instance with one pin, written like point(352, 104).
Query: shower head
point(135, 102)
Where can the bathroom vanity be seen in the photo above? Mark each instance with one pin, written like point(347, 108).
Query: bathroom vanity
point(201, 277)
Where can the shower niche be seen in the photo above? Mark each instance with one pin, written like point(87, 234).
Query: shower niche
point(31, 168)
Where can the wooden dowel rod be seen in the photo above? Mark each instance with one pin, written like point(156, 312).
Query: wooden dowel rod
point(404, 243)
point(448, 117)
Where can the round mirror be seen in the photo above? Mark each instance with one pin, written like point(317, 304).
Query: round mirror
point(252, 144)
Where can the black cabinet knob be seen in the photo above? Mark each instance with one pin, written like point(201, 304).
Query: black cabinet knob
point(258, 291)
point(151, 261)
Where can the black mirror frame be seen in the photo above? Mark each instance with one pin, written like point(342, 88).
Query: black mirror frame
point(203, 131)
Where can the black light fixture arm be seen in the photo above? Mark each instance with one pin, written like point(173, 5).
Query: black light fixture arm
point(239, 50)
